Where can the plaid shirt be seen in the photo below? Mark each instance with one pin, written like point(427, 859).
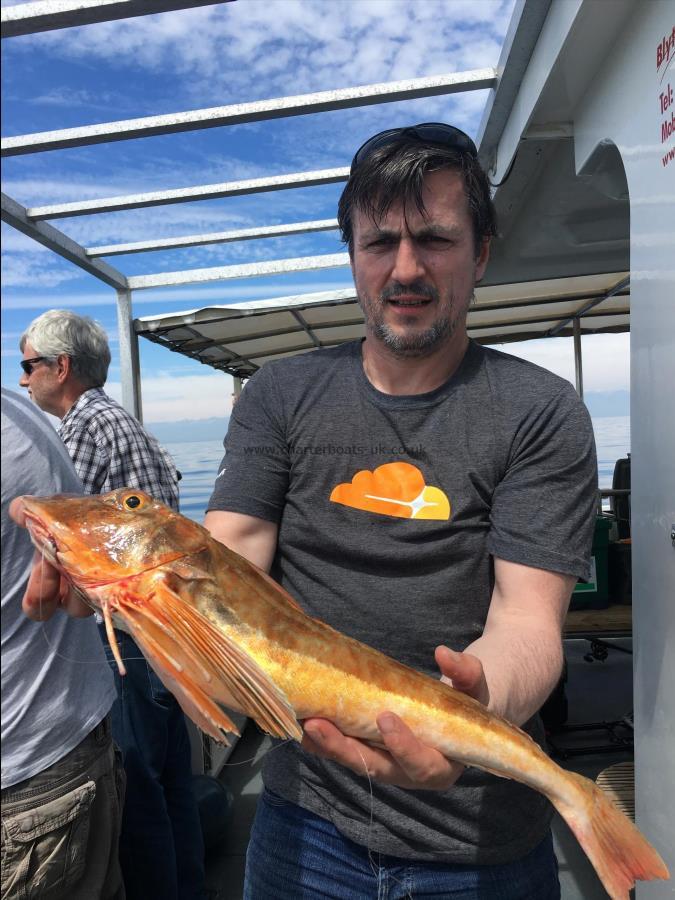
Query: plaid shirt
point(110, 449)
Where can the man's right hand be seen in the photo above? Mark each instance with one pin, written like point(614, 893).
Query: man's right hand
point(47, 590)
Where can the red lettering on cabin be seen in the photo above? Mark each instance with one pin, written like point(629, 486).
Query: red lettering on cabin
point(668, 128)
point(665, 48)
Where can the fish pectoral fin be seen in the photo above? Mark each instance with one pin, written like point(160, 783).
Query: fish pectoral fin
point(193, 700)
point(209, 663)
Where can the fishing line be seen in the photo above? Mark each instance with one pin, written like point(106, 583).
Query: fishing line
point(259, 756)
point(373, 866)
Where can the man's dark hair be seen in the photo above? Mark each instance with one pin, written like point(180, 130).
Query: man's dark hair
point(395, 174)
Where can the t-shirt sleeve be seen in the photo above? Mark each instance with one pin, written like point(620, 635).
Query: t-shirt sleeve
point(543, 509)
point(253, 476)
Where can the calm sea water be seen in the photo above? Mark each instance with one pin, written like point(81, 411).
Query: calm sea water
point(199, 462)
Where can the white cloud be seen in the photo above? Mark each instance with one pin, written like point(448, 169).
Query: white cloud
point(605, 359)
point(229, 46)
point(34, 269)
point(221, 295)
point(167, 398)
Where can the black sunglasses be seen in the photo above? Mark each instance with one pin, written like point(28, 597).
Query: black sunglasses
point(427, 133)
point(29, 364)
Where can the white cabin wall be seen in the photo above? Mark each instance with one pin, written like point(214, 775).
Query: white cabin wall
point(622, 105)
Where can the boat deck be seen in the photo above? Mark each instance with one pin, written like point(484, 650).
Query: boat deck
point(598, 691)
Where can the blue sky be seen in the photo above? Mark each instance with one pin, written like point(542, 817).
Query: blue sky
point(218, 55)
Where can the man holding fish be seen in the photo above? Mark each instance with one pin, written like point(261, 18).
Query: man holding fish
point(416, 497)
point(474, 538)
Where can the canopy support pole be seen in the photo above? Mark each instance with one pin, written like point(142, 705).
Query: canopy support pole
point(130, 369)
point(578, 365)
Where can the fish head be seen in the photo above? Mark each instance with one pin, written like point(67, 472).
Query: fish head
point(103, 538)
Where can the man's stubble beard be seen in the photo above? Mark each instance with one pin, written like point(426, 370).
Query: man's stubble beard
point(411, 346)
point(420, 344)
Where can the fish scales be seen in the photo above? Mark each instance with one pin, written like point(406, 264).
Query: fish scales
point(219, 632)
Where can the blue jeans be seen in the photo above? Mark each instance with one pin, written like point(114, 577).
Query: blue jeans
point(161, 846)
point(296, 855)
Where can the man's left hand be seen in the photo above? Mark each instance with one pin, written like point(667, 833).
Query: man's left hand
point(406, 761)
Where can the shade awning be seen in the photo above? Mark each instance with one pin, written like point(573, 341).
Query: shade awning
point(241, 337)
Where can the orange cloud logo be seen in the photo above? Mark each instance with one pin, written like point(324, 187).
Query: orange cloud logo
point(394, 489)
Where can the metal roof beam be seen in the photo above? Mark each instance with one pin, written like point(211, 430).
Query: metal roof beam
point(249, 270)
point(617, 289)
point(186, 195)
point(232, 365)
point(305, 327)
point(541, 319)
point(248, 309)
point(48, 15)
point(337, 298)
point(206, 343)
point(216, 237)
point(15, 215)
point(256, 111)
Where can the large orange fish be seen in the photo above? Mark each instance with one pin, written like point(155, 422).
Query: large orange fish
point(219, 631)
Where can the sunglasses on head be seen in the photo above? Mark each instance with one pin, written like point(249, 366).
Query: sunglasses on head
point(427, 133)
point(29, 364)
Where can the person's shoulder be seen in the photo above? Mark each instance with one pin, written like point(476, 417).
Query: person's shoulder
point(22, 412)
point(30, 440)
point(96, 409)
point(11, 401)
point(512, 376)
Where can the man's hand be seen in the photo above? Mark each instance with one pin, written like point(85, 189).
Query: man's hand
point(47, 590)
point(405, 761)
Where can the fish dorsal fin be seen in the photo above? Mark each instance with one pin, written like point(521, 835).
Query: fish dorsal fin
point(254, 574)
point(206, 663)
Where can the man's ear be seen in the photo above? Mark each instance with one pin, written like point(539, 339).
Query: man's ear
point(64, 367)
point(482, 260)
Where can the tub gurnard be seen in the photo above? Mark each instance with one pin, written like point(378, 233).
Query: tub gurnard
point(220, 632)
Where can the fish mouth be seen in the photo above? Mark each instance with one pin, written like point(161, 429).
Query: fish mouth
point(42, 540)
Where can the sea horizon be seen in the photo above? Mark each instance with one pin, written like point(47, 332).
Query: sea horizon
point(199, 461)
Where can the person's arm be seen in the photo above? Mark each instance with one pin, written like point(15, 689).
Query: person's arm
point(253, 538)
point(521, 645)
point(512, 668)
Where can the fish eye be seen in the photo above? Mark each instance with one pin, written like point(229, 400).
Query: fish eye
point(132, 502)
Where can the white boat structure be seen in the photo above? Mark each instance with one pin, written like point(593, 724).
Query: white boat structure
point(578, 138)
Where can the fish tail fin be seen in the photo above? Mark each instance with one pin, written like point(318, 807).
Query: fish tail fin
point(618, 851)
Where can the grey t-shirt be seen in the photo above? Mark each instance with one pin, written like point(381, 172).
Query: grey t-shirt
point(56, 682)
point(390, 511)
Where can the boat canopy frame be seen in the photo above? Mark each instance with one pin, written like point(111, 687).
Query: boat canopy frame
point(240, 337)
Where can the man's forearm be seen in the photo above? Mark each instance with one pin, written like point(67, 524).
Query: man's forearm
point(521, 645)
point(522, 666)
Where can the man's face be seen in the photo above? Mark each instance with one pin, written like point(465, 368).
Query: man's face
point(43, 384)
point(415, 274)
